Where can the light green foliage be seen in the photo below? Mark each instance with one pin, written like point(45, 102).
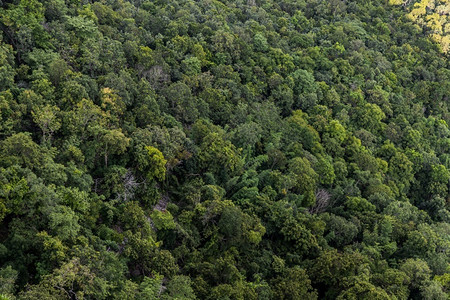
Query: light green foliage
point(301, 131)
point(10, 113)
point(163, 220)
point(218, 154)
point(444, 280)
point(417, 270)
point(433, 290)
point(260, 43)
point(294, 284)
point(394, 282)
point(191, 66)
point(439, 179)
point(179, 288)
point(306, 179)
point(84, 27)
point(8, 277)
point(325, 170)
point(55, 250)
point(228, 150)
point(6, 70)
point(47, 119)
point(25, 18)
point(363, 290)
point(433, 16)
point(151, 287)
point(64, 222)
point(370, 117)
point(358, 204)
point(113, 142)
point(21, 149)
point(156, 164)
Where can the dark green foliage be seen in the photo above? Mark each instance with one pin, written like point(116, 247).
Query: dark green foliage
point(253, 149)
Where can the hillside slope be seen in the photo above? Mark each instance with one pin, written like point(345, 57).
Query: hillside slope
point(260, 149)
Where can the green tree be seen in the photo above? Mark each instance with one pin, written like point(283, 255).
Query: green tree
point(294, 284)
point(153, 163)
point(47, 119)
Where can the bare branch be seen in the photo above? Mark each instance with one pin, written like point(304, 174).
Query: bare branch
point(322, 202)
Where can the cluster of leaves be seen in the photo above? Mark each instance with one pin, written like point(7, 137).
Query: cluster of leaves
point(433, 17)
point(260, 149)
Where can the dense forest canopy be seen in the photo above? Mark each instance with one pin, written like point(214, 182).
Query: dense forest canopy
point(219, 149)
